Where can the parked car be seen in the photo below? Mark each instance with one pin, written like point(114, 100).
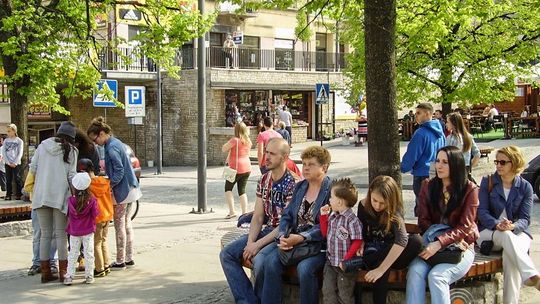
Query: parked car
point(532, 174)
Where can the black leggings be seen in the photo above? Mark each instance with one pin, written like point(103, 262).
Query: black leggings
point(241, 180)
point(380, 287)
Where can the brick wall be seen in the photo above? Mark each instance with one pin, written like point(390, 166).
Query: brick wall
point(179, 112)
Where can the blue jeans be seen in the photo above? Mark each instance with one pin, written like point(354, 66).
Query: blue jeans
point(231, 262)
point(439, 277)
point(36, 236)
point(417, 185)
point(307, 270)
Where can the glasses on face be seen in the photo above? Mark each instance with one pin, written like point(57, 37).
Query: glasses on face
point(501, 162)
point(94, 139)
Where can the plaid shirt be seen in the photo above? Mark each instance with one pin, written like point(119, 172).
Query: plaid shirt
point(342, 229)
point(275, 195)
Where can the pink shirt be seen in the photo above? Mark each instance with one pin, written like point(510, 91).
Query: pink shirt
point(263, 138)
point(244, 164)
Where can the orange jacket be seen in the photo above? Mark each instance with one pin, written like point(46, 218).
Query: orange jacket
point(101, 190)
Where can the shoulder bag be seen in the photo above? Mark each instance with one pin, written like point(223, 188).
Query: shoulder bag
point(299, 252)
point(229, 173)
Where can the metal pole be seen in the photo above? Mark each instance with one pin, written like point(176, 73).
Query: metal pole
point(159, 147)
point(201, 128)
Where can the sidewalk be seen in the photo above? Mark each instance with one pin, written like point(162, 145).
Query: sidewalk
point(177, 252)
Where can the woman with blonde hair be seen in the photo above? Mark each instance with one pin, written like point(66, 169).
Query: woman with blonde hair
point(238, 149)
point(504, 216)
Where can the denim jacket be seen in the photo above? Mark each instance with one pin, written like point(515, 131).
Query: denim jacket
point(290, 214)
point(119, 170)
point(518, 206)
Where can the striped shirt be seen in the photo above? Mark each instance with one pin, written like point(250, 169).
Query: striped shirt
point(275, 195)
point(342, 229)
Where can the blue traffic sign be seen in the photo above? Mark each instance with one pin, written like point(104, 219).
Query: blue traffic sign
point(100, 100)
point(322, 93)
point(135, 96)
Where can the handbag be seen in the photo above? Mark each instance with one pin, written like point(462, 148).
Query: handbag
point(299, 252)
point(451, 254)
point(229, 173)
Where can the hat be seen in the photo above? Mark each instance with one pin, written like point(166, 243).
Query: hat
point(81, 181)
point(67, 128)
point(85, 165)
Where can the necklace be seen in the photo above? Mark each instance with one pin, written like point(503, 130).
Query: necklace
point(446, 197)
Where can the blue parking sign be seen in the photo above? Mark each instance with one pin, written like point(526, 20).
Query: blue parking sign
point(100, 100)
point(134, 102)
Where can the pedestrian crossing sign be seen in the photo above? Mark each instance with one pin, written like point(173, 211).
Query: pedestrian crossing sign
point(322, 91)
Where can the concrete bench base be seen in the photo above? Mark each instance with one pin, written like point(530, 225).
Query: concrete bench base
point(477, 292)
point(18, 228)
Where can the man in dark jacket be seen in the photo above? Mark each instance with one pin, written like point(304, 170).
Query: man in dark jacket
point(422, 149)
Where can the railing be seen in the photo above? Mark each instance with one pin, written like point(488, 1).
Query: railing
point(4, 93)
point(242, 58)
point(125, 59)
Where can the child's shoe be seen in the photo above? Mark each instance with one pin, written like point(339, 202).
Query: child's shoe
point(68, 281)
point(89, 280)
point(100, 274)
point(118, 266)
point(34, 269)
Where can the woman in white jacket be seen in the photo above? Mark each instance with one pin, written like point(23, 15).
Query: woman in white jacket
point(53, 165)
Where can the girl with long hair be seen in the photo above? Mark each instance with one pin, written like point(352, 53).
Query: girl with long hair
point(82, 212)
point(386, 242)
point(461, 138)
point(238, 158)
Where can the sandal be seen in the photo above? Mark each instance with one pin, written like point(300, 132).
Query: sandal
point(230, 216)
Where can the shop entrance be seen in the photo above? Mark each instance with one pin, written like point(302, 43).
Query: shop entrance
point(324, 126)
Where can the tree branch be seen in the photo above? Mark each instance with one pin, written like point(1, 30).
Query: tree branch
point(425, 78)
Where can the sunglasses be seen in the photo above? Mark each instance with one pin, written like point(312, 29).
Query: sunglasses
point(501, 162)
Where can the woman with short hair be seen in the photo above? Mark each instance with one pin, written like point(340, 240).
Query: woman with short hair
point(504, 216)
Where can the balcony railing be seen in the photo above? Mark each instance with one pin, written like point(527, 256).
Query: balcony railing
point(242, 58)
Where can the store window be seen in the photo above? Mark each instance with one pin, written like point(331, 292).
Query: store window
point(250, 106)
point(297, 102)
point(321, 51)
point(284, 49)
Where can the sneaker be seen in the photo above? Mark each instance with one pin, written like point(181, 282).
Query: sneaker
point(34, 269)
point(100, 274)
point(118, 266)
point(68, 281)
point(89, 280)
point(130, 263)
point(54, 268)
point(107, 270)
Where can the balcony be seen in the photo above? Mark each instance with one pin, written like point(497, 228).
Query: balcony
point(242, 58)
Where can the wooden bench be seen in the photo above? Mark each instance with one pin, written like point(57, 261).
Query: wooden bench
point(14, 212)
point(483, 268)
point(485, 152)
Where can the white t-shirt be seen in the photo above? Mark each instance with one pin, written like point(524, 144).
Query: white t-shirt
point(493, 112)
point(285, 116)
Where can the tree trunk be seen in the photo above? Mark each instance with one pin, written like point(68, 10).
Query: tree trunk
point(383, 142)
point(18, 104)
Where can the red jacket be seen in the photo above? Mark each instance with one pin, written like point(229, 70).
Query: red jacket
point(462, 219)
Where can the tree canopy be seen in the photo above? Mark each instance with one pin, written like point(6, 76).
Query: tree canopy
point(50, 48)
point(454, 51)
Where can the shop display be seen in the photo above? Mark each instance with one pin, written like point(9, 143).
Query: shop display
point(252, 106)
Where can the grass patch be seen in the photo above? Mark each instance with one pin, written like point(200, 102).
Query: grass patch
point(489, 136)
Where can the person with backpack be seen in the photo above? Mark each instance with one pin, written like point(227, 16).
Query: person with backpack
point(504, 216)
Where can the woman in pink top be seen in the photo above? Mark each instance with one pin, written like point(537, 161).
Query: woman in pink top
point(238, 148)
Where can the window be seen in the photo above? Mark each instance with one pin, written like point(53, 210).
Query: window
point(284, 54)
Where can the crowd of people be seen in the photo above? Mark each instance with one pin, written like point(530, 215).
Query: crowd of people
point(73, 201)
point(309, 222)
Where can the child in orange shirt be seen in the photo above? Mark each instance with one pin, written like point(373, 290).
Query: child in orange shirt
point(100, 188)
